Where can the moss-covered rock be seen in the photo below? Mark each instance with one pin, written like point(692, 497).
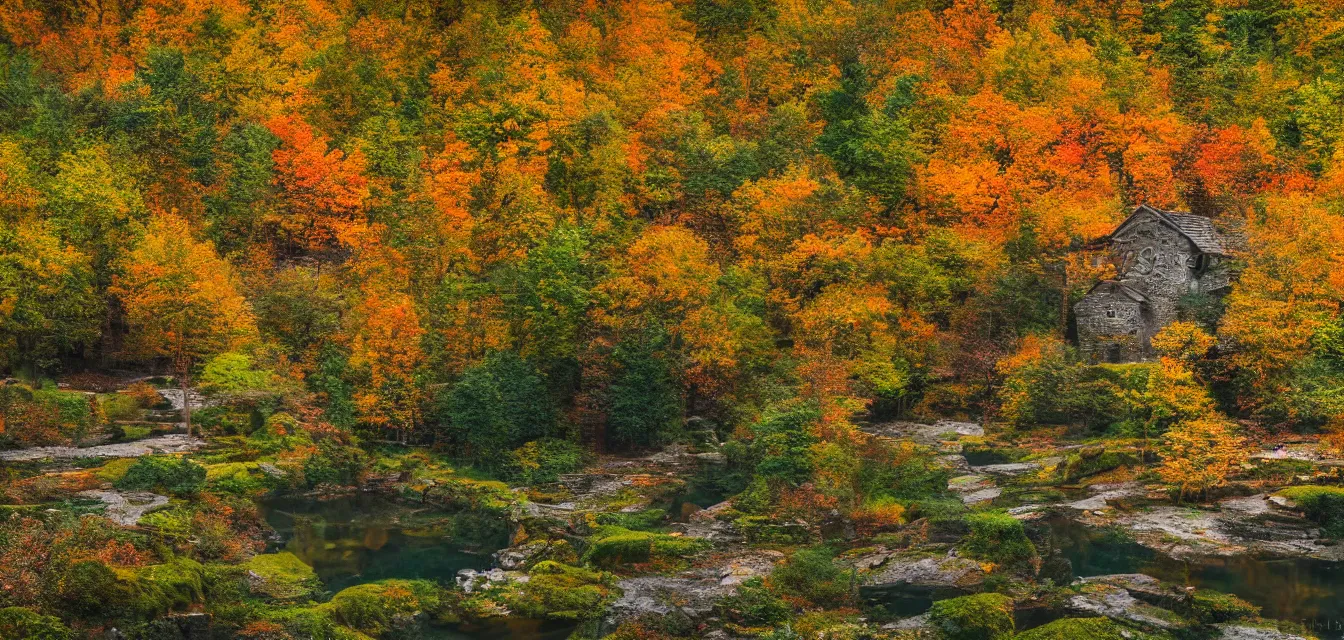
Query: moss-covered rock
point(316, 622)
point(89, 588)
point(560, 592)
point(1079, 628)
point(379, 608)
point(613, 546)
point(998, 537)
point(983, 616)
point(1093, 460)
point(281, 576)
point(161, 588)
point(1213, 606)
point(18, 622)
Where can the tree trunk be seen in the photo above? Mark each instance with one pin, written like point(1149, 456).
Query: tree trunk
point(1063, 301)
point(186, 401)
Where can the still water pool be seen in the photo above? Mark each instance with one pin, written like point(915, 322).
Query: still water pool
point(1302, 590)
point(356, 539)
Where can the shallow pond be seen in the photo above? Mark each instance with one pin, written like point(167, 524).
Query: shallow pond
point(1302, 590)
point(362, 538)
point(355, 539)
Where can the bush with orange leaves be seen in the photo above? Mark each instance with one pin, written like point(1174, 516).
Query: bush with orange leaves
point(144, 394)
point(37, 553)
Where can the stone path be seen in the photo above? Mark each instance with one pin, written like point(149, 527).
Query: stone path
point(1101, 493)
point(926, 434)
point(170, 443)
point(974, 488)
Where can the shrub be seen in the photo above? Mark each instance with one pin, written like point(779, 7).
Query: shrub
point(559, 592)
point(1044, 383)
point(998, 537)
point(334, 464)
point(145, 395)
point(18, 622)
point(168, 474)
point(120, 406)
point(1323, 505)
point(542, 461)
point(1213, 606)
point(812, 574)
point(754, 605)
point(1077, 628)
point(85, 587)
point(902, 471)
point(613, 546)
point(984, 616)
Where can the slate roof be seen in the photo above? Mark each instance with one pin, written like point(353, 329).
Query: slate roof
point(1198, 229)
point(1115, 286)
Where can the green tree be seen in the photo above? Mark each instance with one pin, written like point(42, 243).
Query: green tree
point(644, 402)
point(497, 406)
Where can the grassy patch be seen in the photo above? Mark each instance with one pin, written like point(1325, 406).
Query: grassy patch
point(1323, 505)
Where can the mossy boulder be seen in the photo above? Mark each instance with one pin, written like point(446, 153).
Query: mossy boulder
point(90, 588)
point(560, 592)
point(1213, 606)
point(983, 616)
point(998, 537)
point(378, 608)
point(18, 622)
point(614, 546)
point(1090, 461)
point(1079, 628)
point(157, 589)
point(316, 621)
point(281, 576)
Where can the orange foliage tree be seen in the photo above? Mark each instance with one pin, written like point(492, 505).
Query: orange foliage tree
point(182, 302)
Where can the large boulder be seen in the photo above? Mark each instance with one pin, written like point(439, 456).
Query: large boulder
point(926, 574)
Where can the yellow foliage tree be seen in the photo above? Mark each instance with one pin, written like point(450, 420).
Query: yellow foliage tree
point(1199, 454)
point(181, 300)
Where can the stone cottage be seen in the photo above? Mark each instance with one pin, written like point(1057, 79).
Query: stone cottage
point(1160, 257)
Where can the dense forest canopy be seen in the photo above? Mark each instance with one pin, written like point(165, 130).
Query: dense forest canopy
point(484, 223)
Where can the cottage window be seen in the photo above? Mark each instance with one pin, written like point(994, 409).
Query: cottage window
point(1110, 313)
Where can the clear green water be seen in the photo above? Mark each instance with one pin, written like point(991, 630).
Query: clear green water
point(357, 539)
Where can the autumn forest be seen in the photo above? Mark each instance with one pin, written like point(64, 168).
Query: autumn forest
point(361, 319)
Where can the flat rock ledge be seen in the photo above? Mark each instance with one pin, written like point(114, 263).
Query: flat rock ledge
point(126, 509)
point(170, 443)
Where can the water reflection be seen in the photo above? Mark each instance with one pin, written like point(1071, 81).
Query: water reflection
point(357, 539)
point(1298, 589)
